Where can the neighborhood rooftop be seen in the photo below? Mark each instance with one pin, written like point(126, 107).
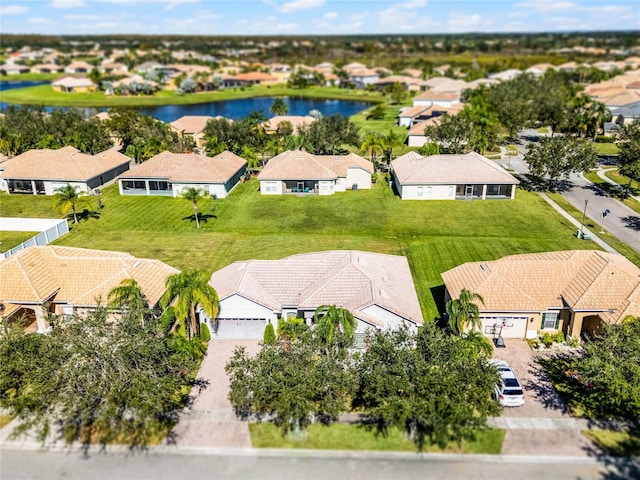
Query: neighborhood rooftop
point(301, 165)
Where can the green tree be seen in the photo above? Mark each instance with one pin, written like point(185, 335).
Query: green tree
point(558, 156)
point(462, 311)
point(332, 322)
point(269, 337)
point(252, 159)
point(377, 113)
point(194, 195)
point(329, 135)
point(398, 93)
point(390, 141)
point(628, 142)
point(279, 106)
point(291, 328)
point(430, 148)
point(426, 385)
point(453, 134)
point(185, 291)
point(373, 145)
point(127, 296)
point(67, 199)
point(95, 380)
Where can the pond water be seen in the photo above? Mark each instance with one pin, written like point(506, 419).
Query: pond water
point(234, 109)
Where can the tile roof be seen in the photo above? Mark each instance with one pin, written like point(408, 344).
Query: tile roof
point(624, 98)
point(347, 278)
point(73, 82)
point(431, 96)
point(400, 79)
point(65, 164)
point(188, 167)
point(296, 121)
point(77, 276)
point(471, 168)
point(414, 111)
point(301, 165)
point(191, 123)
point(418, 127)
point(255, 76)
point(587, 280)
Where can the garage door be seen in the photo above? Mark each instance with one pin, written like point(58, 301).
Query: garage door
point(508, 327)
point(241, 328)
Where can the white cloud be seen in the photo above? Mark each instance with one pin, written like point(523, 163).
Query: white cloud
point(295, 5)
point(39, 21)
point(404, 16)
point(546, 6)
point(330, 15)
point(13, 10)
point(82, 17)
point(169, 4)
point(67, 3)
point(464, 22)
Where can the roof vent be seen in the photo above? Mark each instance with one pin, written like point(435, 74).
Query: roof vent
point(483, 267)
point(136, 263)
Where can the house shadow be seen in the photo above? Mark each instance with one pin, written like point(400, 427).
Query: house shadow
point(632, 222)
point(437, 293)
point(202, 217)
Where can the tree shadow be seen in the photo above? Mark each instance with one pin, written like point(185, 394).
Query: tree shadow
point(543, 386)
point(202, 217)
point(84, 215)
point(621, 462)
point(632, 222)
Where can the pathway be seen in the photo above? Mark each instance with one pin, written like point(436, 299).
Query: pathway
point(602, 174)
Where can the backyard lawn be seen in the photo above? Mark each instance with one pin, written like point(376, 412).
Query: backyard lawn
point(356, 437)
point(434, 235)
point(8, 240)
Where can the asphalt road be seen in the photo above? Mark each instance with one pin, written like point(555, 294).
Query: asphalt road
point(283, 465)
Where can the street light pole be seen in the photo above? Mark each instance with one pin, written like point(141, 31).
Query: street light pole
point(586, 202)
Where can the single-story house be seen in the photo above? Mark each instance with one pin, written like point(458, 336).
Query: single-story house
point(408, 83)
point(13, 69)
point(377, 289)
point(78, 67)
point(73, 85)
point(192, 126)
point(539, 69)
point(48, 279)
point(410, 115)
point(361, 77)
point(168, 174)
point(416, 136)
point(271, 126)
point(42, 171)
point(571, 291)
point(47, 68)
point(626, 114)
point(451, 177)
point(256, 78)
point(443, 99)
point(303, 173)
point(506, 75)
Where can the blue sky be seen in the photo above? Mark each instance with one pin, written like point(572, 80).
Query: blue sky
point(299, 17)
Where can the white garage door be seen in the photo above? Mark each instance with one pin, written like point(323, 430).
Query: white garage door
point(241, 328)
point(512, 327)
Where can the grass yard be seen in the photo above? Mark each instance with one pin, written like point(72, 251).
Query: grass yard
point(355, 437)
point(8, 240)
point(543, 130)
point(616, 176)
point(613, 190)
point(606, 148)
point(30, 77)
point(434, 235)
point(45, 95)
point(616, 444)
point(384, 125)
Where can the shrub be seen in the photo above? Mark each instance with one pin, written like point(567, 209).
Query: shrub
point(374, 178)
point(573, 342)
point(269, 335)
point(547, 339)
point(205, 334)
point(533, 343)
point(559, 337)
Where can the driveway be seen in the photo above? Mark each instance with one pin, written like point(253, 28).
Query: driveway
point(540, 398)
point(210, 421)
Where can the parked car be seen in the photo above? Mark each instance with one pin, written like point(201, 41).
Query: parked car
point(509, 391)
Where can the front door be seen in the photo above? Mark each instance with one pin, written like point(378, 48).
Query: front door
point(468, 192)
point(301, 186)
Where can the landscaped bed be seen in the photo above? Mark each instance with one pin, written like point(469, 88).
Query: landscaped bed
point(358, 437)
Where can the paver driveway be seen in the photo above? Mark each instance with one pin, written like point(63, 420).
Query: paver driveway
point(211, 422)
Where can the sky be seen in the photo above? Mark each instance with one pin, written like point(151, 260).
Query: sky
point(321, 17)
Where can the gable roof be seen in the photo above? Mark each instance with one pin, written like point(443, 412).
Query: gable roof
point(347, 278)
point(65, 164)
point(73, 82)
point(191, 123)
point(301, 165)
point(76, 276)
point(472, 168)
point(587, 280)
point(188, 167)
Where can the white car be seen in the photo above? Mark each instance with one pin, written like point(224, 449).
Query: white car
point(509, 391)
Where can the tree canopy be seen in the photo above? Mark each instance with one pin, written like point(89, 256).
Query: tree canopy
point(628, 142)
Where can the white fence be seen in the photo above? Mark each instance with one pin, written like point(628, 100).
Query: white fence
point(49, 228)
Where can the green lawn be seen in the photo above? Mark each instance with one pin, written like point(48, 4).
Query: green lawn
point(606, 148)
point(30, 77)
point(543, 130)
point(614, 174)
point(384, 125)
point(612, 240)
point(45, 95)
point(434, 235)
point(616, 444)
point(356, 437)
point(613, 190)
point(8, 240)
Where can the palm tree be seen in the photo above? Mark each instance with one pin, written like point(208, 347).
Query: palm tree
point(127, 296)
point(279, 107)
point(67, 198)
point(462, 311)
point(194, 195)
point(601, 114)
point(189, 289)
point(330, 319)
point(373, 145)
point(390, 141)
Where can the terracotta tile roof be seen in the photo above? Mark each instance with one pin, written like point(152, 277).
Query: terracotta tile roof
point(191, 123)
point(65, 164)
point(451, 86)
point(418, 128)
point(296, 121)
point(73, 82)
point(432, 96)
point(412, 72)
point(482, 81)
point(414, 111)
point(301, 165)
point(362, 72)
point(77, 276)
point(587, 280)
point(188, 167)
point(255, 76)
point(402, 79)
point(472, 168)
point(623, 98)
point(349, 279)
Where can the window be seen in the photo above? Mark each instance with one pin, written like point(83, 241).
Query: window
point(429, 191)
point(133, 185)
point(157, 185)
point(550, 320)
point(420, 192)
point(270, 186)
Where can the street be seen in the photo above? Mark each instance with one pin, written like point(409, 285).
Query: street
point(281, 465)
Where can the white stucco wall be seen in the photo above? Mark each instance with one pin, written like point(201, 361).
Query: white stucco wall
point(390, 319)
point(237, 306)
point(341, 184)
point(441, 103)
point(215, 189)
point(404, 121)
point(416, 140)
point(51, 186)
point(428, 192)
point(326, 187)
point(271, 183)
point(360, 177)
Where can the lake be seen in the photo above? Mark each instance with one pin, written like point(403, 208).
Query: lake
point(234, 109)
